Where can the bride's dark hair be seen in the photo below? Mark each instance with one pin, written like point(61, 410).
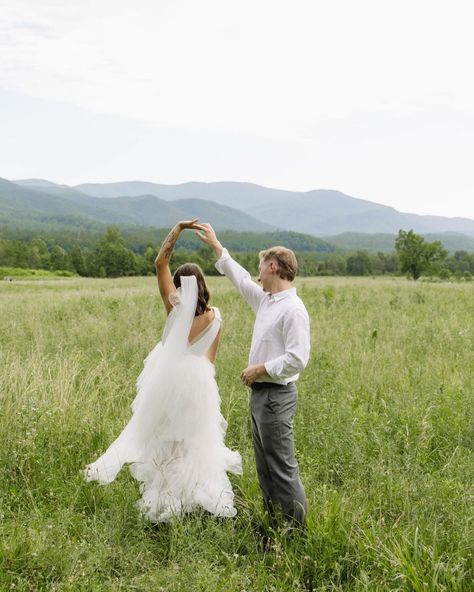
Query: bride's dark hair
point(203, 293)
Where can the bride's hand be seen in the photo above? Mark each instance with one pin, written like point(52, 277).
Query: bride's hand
point(187, 223)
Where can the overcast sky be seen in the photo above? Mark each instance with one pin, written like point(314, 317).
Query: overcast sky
point(372, 98)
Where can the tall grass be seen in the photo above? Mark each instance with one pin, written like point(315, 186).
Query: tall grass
point(384, 435)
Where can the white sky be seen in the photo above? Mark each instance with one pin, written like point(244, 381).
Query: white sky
point(369, 97)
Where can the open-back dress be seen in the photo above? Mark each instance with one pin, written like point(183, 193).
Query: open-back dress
point(174, 441)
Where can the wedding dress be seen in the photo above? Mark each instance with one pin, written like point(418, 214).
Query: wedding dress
point(174, 441)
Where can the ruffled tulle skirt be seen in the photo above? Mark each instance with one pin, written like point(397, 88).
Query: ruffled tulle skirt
point(174, 441)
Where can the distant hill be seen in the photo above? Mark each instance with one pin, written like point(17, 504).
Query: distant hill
point(321, 212)
point(326, 213)
point(65, 205)
point(38, 183)
point(52, 188)
point(236, 195)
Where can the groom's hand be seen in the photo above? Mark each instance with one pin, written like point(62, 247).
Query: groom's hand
point(251, 373)
point(206, 233)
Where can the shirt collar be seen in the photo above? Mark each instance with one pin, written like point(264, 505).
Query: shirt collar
point(280, 295)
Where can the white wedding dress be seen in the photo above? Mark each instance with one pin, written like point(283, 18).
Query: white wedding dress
point(174, 441)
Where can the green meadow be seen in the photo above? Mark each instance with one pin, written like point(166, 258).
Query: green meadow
point(384, 434)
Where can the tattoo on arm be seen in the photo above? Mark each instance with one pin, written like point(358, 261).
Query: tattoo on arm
point(168, 244)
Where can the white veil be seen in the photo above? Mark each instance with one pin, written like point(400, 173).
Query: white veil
point(179, 322)
point(152, 414)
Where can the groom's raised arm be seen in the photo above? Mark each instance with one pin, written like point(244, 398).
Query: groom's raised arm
point(240, 277)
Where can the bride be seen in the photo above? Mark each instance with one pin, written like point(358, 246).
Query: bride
point(174, 441)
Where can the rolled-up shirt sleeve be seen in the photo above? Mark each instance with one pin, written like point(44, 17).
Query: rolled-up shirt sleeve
point(296, 336)
point(240, 277)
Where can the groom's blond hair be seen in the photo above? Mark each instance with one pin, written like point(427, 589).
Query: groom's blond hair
point(286, 259)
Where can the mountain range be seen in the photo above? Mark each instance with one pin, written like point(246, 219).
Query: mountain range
point(320, 212)
point(339, 218)
point(43, 202)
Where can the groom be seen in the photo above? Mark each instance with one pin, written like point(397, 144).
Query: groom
point(279, 351)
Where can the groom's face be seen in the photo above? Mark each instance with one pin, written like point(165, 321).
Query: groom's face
point(266, 271)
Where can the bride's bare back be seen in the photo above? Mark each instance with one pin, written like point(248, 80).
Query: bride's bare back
point(200, 325)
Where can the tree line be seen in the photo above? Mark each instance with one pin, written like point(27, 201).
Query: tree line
point(112, 257)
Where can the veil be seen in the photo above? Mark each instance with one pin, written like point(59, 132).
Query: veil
point(178, 325)
point(155, 407)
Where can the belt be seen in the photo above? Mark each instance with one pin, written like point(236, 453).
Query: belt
point(266, 385)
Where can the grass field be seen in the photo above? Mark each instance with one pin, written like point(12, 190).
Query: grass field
point(384, 435)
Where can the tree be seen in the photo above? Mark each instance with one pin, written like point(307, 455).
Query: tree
point(112, 256)
point(78, 260)
point(359, 264)
point(38, 256)
point(461, 261)
point(383, 263)
point(336, 265)
point(59, 258)
point(416, 255)
point(145, 262)
point(14, 253)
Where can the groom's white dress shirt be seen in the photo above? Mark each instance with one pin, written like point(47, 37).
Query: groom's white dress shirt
point(281, 337)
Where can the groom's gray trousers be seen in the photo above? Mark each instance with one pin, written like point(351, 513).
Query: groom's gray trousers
point(272, 408)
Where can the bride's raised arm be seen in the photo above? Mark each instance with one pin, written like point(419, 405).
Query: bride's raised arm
point(162, 261)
